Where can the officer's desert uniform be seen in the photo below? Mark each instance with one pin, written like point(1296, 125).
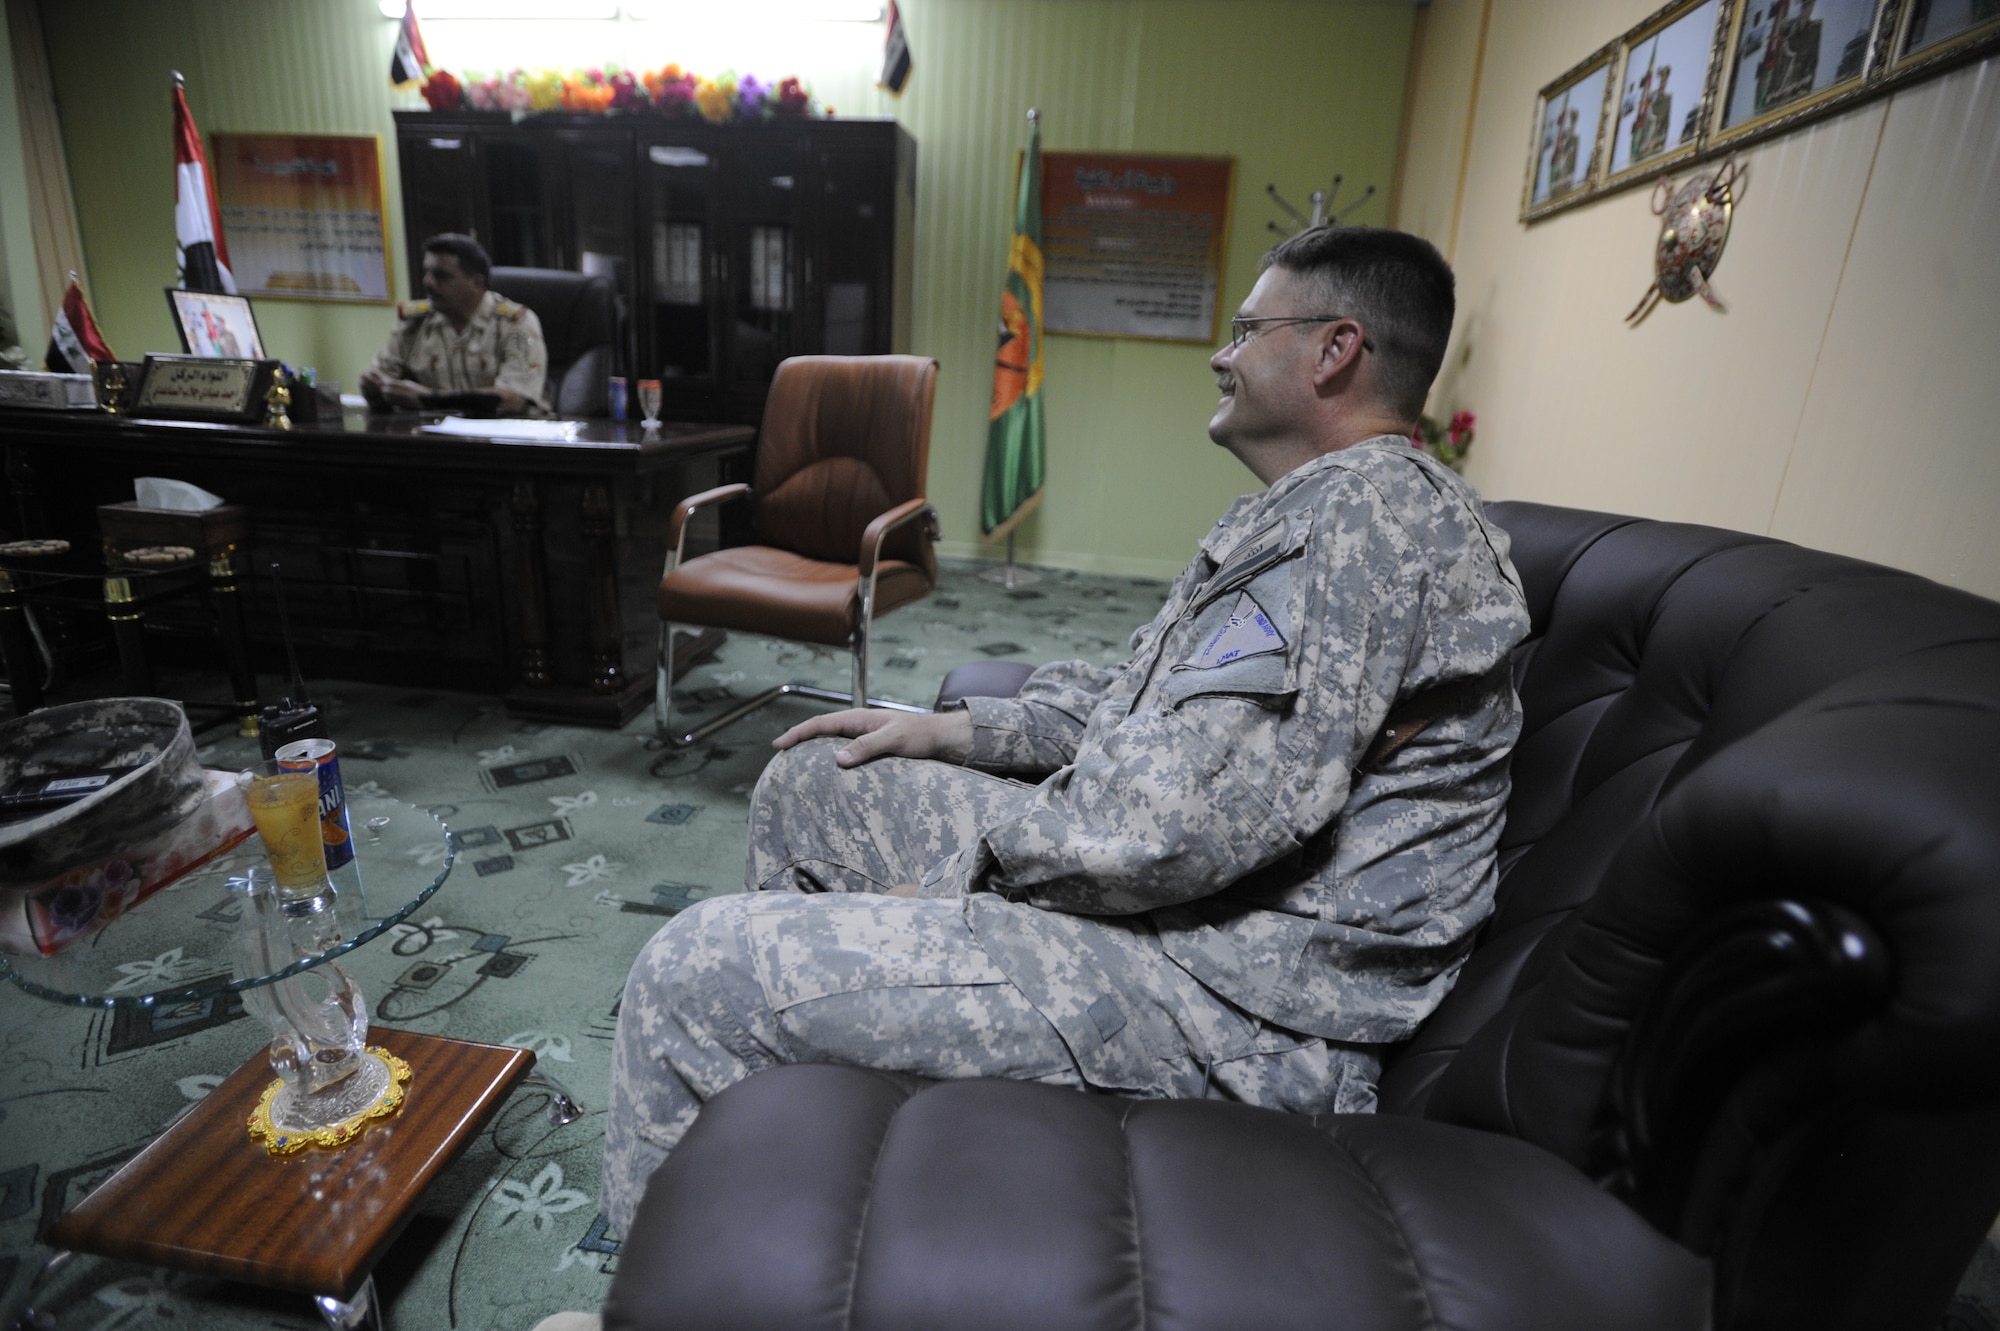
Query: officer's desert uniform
point(1204, 898)
point(500, 347)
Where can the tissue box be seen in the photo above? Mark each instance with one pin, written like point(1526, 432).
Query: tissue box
point(127, 526)
point(48, 916)
point(49, 392)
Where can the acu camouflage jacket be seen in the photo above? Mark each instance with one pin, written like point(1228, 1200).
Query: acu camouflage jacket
point(1208, 782)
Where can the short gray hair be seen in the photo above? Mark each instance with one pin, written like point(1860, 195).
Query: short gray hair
point(1397, 285)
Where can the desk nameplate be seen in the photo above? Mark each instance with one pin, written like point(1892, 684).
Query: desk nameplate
point(204, 388)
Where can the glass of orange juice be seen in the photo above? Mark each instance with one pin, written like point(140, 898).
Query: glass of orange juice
point(285, 806)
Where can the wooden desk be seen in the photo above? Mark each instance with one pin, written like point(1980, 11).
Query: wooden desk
point(204, 1197)
point(412, 558)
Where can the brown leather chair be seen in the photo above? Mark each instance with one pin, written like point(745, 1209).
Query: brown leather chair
point(839, 510)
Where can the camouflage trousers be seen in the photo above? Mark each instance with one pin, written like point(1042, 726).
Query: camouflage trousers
point(813, 964)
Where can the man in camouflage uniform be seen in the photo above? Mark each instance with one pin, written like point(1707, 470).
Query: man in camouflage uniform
point(1184, 876)
point(463, 339)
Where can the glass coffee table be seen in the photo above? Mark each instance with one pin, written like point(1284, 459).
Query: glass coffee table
point(204, 1196)
point(175, 946)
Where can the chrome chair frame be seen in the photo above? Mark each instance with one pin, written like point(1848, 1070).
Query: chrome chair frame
point(878, 530)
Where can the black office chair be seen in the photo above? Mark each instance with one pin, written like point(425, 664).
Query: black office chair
point(579, 314)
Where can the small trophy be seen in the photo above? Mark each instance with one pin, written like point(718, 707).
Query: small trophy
point(276, 398)
point(114, 386)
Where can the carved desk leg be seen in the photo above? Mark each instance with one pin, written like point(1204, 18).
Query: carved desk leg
point(607, 672)
point(23, 670)
point(527, 507)
point(235, 643)
point(122, 609)
point(26, 485)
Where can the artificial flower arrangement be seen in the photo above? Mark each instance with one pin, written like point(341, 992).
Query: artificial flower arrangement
point(669, 90)
point(1448, 444)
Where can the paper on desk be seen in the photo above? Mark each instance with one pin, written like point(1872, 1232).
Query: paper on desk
point(159, 492)
point(540, 432)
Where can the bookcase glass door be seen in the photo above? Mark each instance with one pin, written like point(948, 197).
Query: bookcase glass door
point(597, 186)
point(762, 279)
point(680, 178)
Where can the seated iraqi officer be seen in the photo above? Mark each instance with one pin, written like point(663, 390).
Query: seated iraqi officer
point(1220, 869)
point(465, 347)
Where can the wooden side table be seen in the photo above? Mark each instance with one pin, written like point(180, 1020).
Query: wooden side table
point(214, 537)
point(204, 1197)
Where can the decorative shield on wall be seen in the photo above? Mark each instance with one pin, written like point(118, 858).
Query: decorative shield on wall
point(1694, 228)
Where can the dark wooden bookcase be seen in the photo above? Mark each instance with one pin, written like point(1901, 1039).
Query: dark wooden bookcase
point(732, 246)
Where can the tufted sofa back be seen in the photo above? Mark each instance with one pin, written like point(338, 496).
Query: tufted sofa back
point(1715, 719)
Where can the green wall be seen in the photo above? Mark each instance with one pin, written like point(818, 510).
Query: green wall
point(1294, 89)
point(20, 280)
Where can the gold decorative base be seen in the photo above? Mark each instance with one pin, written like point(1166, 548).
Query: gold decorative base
point(280, 1137)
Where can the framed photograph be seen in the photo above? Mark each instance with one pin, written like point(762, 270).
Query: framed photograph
point(1786, 56)
point(1942, 29)
point(304, 214)
point(215, 326)
point(1568, 138)
point(1134, 246)
point(1662, 82)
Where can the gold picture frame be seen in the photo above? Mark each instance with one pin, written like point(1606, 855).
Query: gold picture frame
point(1568, 113)
point(1803, 60)
point(1784, 62)
point(1664, 94)
point(1917, 48)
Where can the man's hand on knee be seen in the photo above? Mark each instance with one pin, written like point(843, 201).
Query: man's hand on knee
point(946, 736)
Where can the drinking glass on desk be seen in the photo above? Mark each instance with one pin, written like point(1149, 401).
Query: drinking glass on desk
point(284, 804)
point(649, 402)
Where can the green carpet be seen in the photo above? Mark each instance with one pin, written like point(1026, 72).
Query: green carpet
point(574, 846)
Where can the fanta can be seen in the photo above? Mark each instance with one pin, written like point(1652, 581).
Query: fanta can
point(322, 758)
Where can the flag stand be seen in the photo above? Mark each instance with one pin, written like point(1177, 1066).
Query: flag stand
point(1010, 575)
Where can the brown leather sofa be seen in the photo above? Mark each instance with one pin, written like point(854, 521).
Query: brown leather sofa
point(1727, 1054)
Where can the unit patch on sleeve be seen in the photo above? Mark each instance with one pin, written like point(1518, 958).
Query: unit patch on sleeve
point(1247, 632)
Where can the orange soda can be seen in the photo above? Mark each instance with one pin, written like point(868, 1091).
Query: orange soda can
point(321, 757)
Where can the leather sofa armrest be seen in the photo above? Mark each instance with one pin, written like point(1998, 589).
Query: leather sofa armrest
point(884, 523)
point(1761, 979)
point(677, 525)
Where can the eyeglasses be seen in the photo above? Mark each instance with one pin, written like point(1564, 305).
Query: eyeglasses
point(1242, 329)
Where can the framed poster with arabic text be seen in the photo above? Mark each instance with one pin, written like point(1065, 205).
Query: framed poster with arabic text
point(1133, 246)
point(303, 215)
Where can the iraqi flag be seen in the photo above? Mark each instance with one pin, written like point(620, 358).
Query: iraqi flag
point(199, 251)
point(74, 342)
point(408, 64)
point(895, 53)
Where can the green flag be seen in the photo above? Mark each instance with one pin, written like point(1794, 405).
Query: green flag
point(1013, 481)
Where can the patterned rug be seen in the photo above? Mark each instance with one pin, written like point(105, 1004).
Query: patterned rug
point(574, 846)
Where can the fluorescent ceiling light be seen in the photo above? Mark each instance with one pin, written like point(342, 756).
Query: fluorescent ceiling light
point(503, 9)
point(825, 11)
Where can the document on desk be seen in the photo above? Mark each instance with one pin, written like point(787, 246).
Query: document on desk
point(533, 432)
